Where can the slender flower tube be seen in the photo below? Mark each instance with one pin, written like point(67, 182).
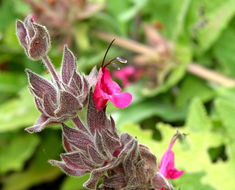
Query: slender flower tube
point(167, 164)
point(107, 89)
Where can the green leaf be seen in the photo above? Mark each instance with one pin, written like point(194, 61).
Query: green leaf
point(72, 183)
point(226, 111)
point(224, 50)
point(192, 87)
point(39, 169)
point(6, 16)
point(227, 94)
point(18, 113)
point(133, 10)
point(11, 82)
point(218, 14)
point(81, 37)
point(197, 119)
point(177, 16)
point(191, 180)
point(148, 108)
point(183, 55)
point(15, 149)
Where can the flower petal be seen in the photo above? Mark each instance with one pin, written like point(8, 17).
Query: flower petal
point(167, 164)
point(121, 100)
point(174, 173)
point(107, 84)
point(124, 74)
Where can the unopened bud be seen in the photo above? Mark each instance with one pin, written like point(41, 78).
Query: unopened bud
point(33, 37)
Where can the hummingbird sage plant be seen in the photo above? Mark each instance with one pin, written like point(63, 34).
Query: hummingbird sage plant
point(114, 161)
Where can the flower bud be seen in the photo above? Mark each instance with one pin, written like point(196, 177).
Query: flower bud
point(33, 37)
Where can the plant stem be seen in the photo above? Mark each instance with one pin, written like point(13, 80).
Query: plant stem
point(210, 75)
point(46, 60)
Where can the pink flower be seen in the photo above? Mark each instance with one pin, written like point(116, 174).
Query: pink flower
point(167, 164)
point(107, 89)
point(128, 74)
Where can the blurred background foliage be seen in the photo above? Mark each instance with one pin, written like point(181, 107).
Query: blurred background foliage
point(170, 95)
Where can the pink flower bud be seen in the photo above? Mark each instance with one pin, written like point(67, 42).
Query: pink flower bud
point(167, 164)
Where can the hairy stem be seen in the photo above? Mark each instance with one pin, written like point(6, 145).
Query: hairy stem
point(46, 60)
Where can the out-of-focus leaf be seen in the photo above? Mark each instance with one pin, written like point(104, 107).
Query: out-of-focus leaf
point(197, 119)
point(106, 22)
point(193, 87)
point(6, 16)
point(218, 14)
point(178, 13)
point(116, 8)
point(72, 183)
point(18, 113)
point(226, 111)
point(190, 180)
point(226, 93)
point(224, 51)
point(15, 149)
point(21, 7)
point(142, 110)
point(183, 55)
point(133, 10)
point(11, 82)
point(39, 169)
point(81, 37)
point(10, 39)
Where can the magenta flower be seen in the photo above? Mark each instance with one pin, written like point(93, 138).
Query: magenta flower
point(107, 89)
point(128, 74)
point(167, 164)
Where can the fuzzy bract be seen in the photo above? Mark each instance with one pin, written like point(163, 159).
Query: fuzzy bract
point(60, 100)
point(33, 37)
